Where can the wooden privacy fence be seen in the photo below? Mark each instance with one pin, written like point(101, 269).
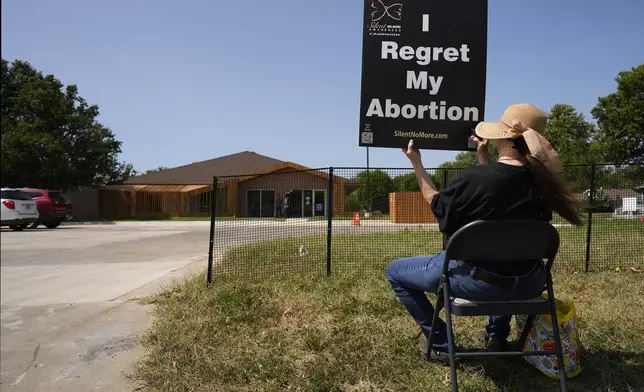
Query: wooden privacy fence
point(114, 204)
point(155, 202)
point(409, 207)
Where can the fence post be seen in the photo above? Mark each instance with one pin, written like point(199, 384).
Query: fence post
point(444, 178)
point(590, 215)
point(329, 223)
point(213, 215)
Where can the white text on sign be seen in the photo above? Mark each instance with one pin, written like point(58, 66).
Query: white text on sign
point(424, 54)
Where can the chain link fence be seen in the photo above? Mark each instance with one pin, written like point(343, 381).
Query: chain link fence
point(318, 222)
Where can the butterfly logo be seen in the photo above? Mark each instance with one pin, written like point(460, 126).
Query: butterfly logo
point(394, 11)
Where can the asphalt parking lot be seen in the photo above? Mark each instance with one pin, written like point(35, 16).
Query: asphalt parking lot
point(67, 320)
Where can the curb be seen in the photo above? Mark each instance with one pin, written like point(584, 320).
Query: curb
point(88, 223)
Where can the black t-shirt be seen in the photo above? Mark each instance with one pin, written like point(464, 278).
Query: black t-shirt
point(489, 192)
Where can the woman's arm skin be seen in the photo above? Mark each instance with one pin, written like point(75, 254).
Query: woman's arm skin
point(427, 187)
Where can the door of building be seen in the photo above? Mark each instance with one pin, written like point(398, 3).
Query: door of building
point(305, 203)
point(254, 204)
point(261, 203)
point(268, 204)
point(294, 204)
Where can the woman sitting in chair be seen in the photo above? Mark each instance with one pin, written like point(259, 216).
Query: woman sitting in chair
point(521, 184)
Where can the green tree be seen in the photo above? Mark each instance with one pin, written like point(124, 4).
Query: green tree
point(126, 170)
point(374, 190)
point(461, 161)
point(620, 118)
point(50, 136)
point(353, 205)
point(409, 183)
point(572, 136)
point(406, 183)
point(158, 169)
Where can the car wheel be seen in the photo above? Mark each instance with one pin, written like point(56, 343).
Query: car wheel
point(18, 227)
point(52, 225)
point(34, 225)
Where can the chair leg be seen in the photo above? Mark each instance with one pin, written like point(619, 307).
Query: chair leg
point(555, 330)
point(437, 310)
point(450, 338)
point(526, 331)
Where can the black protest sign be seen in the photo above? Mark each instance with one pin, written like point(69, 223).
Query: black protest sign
point(423, 72)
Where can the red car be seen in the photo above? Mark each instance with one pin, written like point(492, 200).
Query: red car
point(53, 206)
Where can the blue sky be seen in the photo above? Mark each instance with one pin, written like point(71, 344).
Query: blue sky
point(184, 81)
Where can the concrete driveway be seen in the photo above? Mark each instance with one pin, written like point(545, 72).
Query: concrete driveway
point(67, 322)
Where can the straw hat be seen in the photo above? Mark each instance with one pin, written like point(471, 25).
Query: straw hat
point(527, 121)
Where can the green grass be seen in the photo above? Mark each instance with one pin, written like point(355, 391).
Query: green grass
point(307, 332)
point(349, 333)
point(614, 243)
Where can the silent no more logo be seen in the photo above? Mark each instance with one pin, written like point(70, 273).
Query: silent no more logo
point(394, 11)
point(384, 18)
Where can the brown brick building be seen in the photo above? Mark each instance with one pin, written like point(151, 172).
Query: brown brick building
point(249, 185)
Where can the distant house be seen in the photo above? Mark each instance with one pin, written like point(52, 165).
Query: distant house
point(248, 185)
point(614, 197)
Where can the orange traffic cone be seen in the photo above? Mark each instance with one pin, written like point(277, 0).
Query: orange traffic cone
point(356, 219)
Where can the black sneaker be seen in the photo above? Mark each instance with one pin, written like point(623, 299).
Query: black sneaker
point(492, 343)
point(438, 356)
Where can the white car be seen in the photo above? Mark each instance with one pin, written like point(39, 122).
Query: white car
point(17, 209)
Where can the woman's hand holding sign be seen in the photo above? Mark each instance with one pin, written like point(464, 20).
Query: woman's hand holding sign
point(412, 153)
point(425, 183)
point(481, 144)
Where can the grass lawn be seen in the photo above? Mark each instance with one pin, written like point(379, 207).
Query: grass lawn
point(307, 332)
point(614, 243)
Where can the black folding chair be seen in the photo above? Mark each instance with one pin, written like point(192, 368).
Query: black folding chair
point(498, 241)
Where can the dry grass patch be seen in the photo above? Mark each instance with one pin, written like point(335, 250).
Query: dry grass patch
point(349, 333)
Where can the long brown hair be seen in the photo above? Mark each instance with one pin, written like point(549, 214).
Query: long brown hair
point(553, 191)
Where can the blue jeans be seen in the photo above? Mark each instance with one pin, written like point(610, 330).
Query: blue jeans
point(411, 277)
